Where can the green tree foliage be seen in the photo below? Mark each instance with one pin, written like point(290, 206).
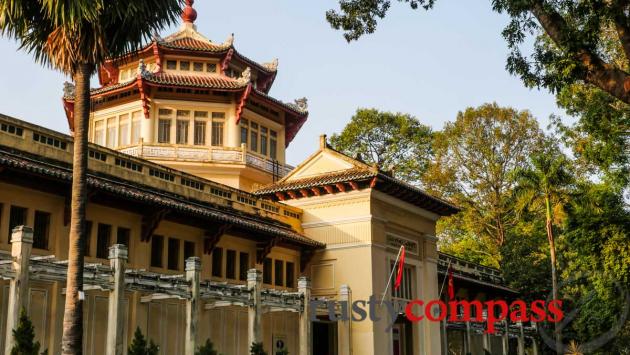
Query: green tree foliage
point(140, 346)
point(207, 349)
point(257, 349)
point(576, 28)
point(474, 158)
point(397, 142)
point(24, 337)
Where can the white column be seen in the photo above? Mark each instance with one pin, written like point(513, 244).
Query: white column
point(305, 335)
point(521, 339)
point(254, 312)
point(344, 327)
point(468, 343)
point(193, 272)
point(115, 326)
point(21, 245)
point(506, 338)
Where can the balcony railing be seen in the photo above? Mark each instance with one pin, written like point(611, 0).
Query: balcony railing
point(208, 154)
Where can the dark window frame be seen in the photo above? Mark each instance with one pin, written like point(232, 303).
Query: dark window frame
point(217, 262)
point(41, 229)
point(103, 240)
point(173, 261)
point(230, 264)
point(157, 244)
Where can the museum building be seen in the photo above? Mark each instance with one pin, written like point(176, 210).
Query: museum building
point(198, 229)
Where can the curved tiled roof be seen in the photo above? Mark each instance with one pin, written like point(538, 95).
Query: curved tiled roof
point(319, 180)
point(193, 44)
point(210, 81)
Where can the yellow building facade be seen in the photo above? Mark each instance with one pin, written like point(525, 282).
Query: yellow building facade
point(209, 233)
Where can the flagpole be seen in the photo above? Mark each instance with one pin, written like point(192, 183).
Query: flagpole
point(391, 274)
point(445, 277)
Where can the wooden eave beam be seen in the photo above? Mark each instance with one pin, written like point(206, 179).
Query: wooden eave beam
point(213, 236)
point(316, 191)
point(306, 255)
point(150, 223)
point(354, 185)
point(373, 182)
point(280, 195)
point(329, 189)
point(341, 186)
point(263, 249)
point(292, 194)
point(304, 192)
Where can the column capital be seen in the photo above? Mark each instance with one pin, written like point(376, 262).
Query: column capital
point(344, 290)
point(193, 264)
point(118, 251)
point(254, 275)
point(22, 234)
point(304, 282)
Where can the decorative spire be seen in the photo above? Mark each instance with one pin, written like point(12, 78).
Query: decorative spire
point(189, 15)
point(246, 76)
point(68, 89)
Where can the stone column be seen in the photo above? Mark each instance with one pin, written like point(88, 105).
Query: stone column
point(193, 272)
point(115, 326)
point(444, 336)
point(506, 339)
point(305, 335)
point(21, 246)
point(521, 339)
point(468, 342)
point(254, 312)
point(534, 347)
point(344, 325)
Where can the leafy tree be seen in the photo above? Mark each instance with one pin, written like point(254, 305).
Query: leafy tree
point(397, 142)
point(257, 349)
point(474, 157)
point(24, 337)
point(75, 37)
point(140, 346)
point(546, 185)
point(206, 349)
point(575, 28)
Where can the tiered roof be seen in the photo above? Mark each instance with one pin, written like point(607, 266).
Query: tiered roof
point(255, 81)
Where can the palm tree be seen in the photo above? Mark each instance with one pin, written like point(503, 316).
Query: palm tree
point(74, 37)
point(545, 185)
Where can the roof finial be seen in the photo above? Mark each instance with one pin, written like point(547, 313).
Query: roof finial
point(189, 15)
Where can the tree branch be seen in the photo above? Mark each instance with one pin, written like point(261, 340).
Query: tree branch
point(599, 73)
point(622, 25)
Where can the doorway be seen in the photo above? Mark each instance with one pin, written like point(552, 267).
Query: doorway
point(324, 337)
point(402, 336)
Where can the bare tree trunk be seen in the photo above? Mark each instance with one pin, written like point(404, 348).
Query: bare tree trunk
point(554, 276)
point(72, 340)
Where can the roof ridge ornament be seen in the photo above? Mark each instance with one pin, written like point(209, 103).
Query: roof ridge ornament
point(246, 76)
point(301, 104)
point(272, 66)
point(229, 41)
point(189, 14)
point(142, 69)
point(68, 89)
point(156, 37)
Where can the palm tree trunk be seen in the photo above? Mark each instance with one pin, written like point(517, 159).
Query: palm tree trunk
point(72, 339)
point(554, 276)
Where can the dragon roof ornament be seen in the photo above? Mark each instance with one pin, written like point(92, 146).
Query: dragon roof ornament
point(246, 76)
point(272, 66)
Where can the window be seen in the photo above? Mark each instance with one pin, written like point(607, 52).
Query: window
point(253, 143)
point(41, 230)
point(103, 236)
point(171, 64)
point(135, 127)
point(200, 127)
point(17, 217)
point(124, 75)
point(273, 144)
point(279, 272)
point(267, 265)
point(189, 250)
point(243, 266)
point(244, 130)
point(263, 140)
point(111, 132)
point(218, 119)
point(405, 291)
point(123, 237)
point(184, 65)
point(123, 131)
point(217, 262)
point(99, 133)
point(197, 66)
point(173, 254)
point(157, 246)
point(211, 68)
point(88, 238)
point(164, 125)
point(290, 275)
point(182, 129)
point(230, 264)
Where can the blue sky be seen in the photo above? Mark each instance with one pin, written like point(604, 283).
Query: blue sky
point(429, 64)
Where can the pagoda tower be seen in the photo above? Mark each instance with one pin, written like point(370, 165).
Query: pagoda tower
point(194, 105)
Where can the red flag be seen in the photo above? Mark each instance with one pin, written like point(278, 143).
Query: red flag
point(401, 264)
point(451, 285)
